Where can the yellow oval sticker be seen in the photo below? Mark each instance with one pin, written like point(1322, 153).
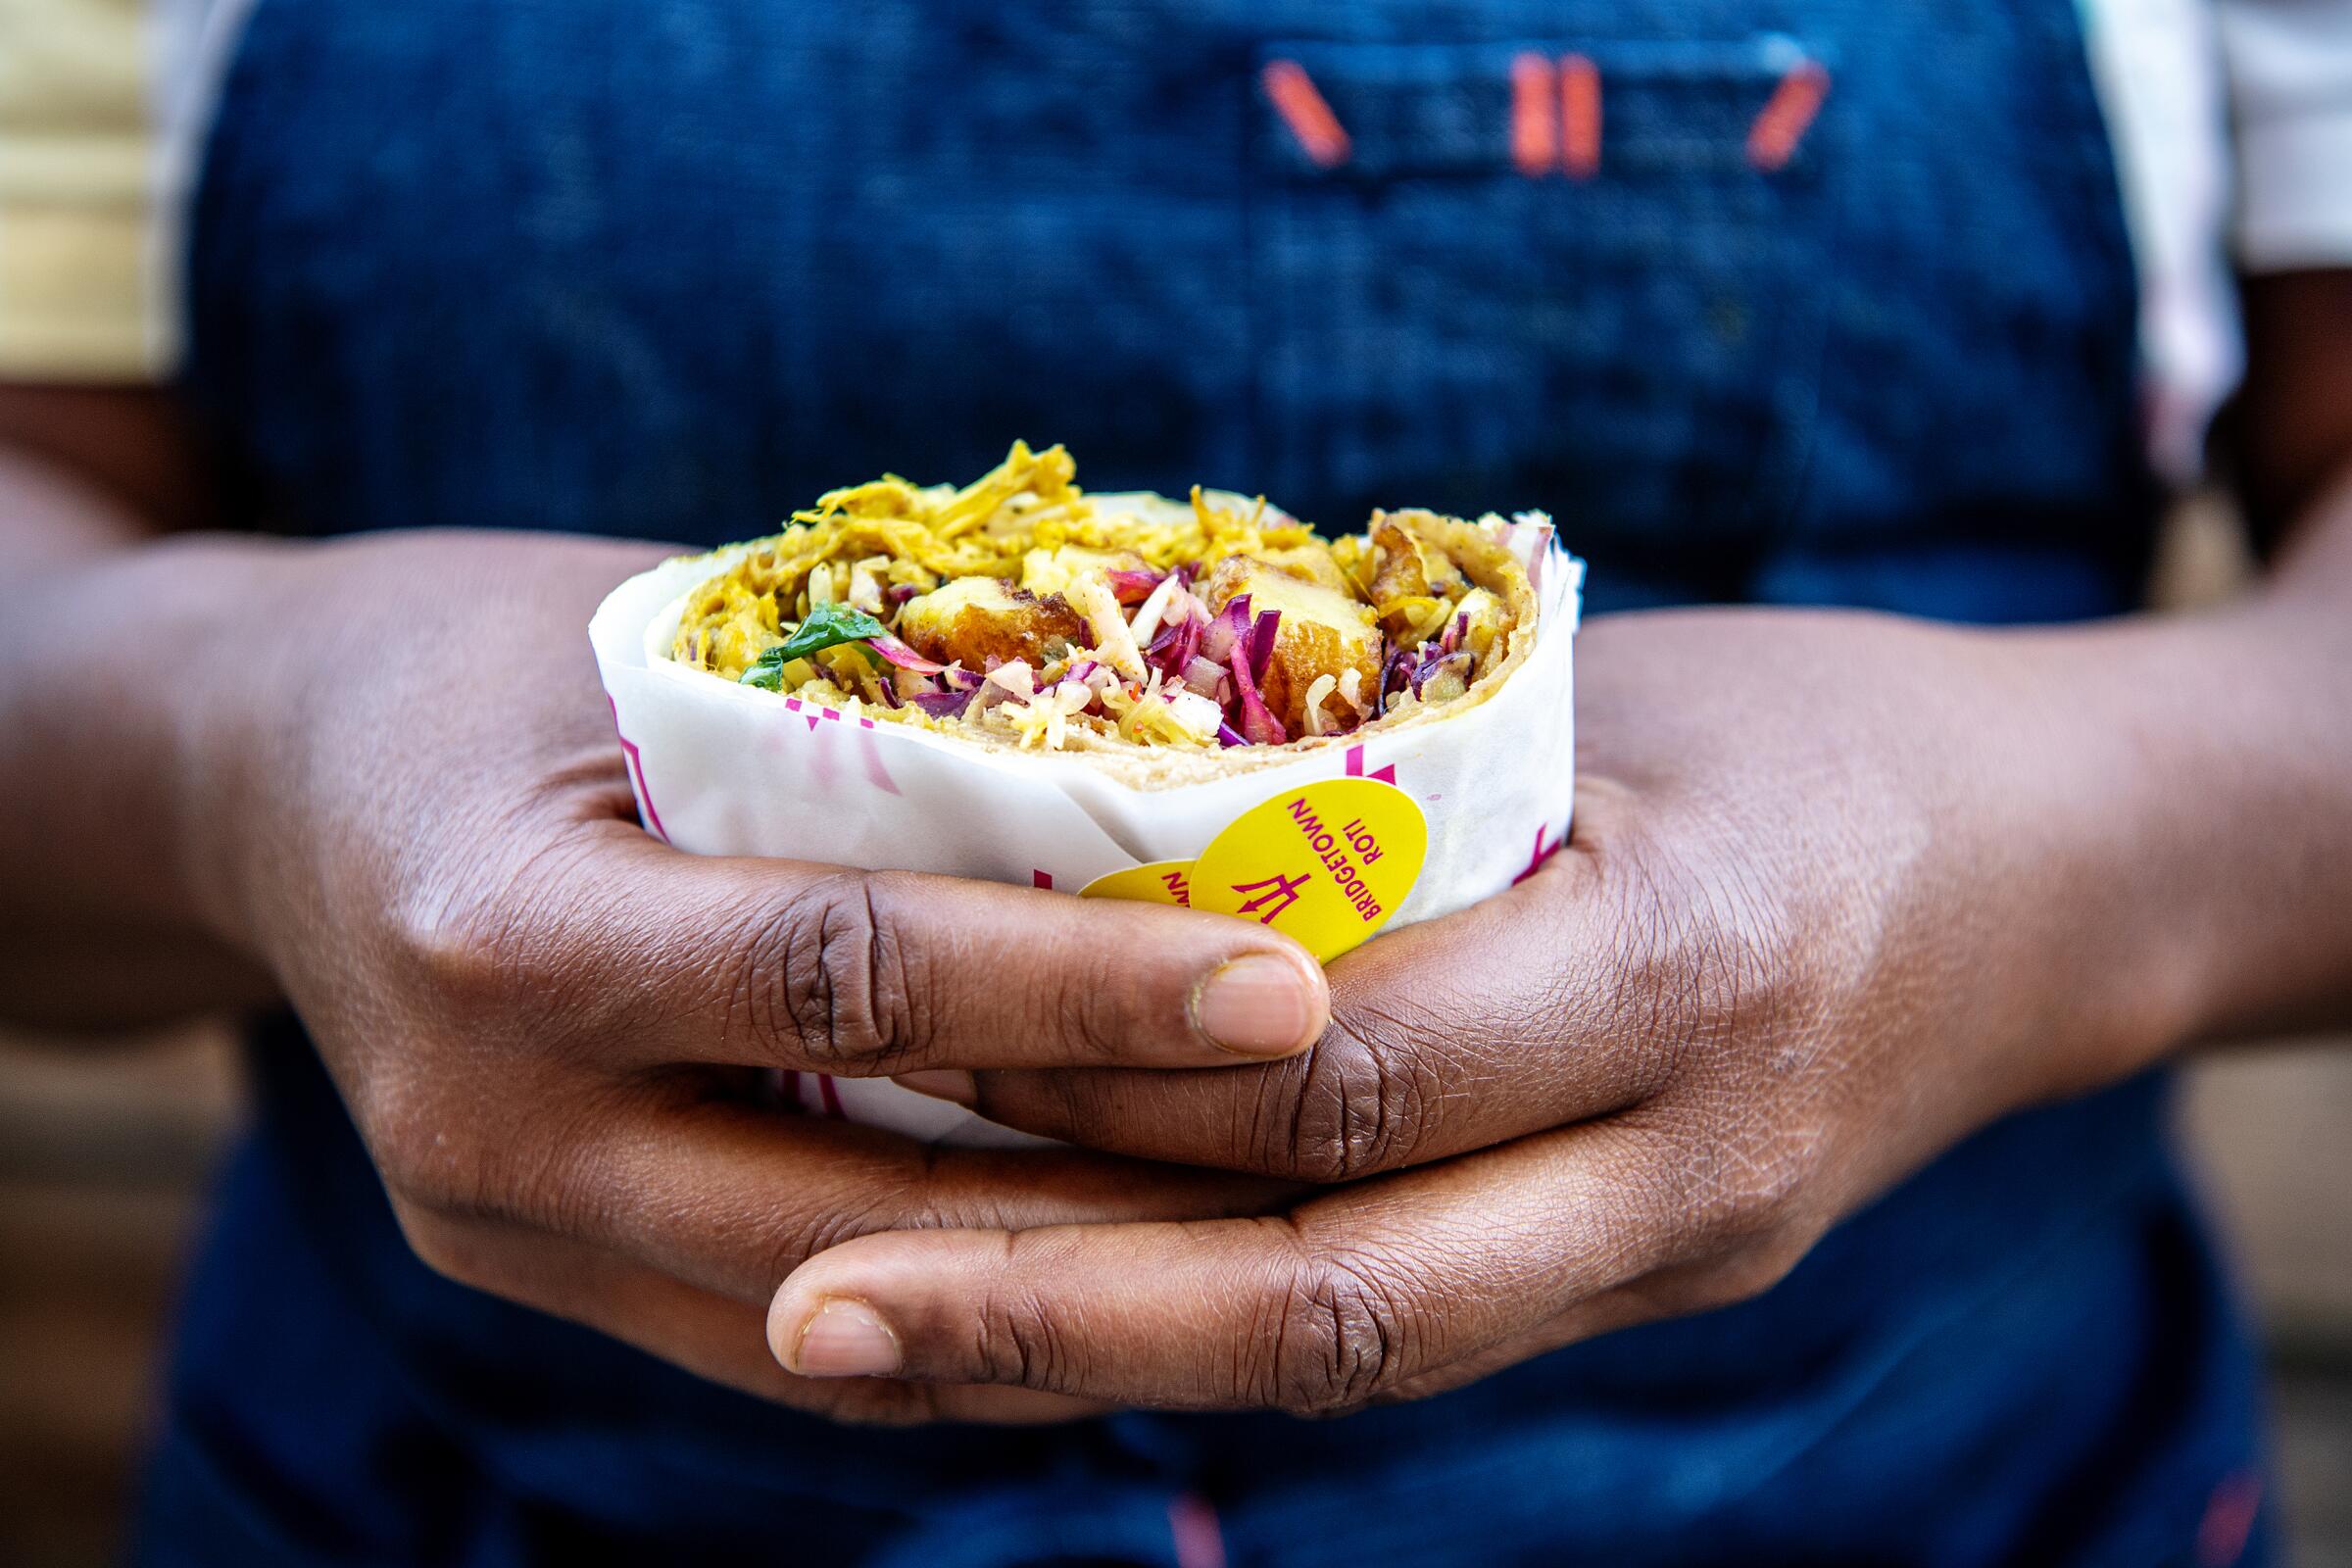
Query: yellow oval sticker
point(1159, 882)
point(1326, 863)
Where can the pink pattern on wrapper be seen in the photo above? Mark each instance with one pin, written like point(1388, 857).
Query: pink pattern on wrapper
point(635, 762)
point(832, 1097)
point(1355, 768)
point(875, 773)
point(821, 761)
point(1042, 879)
point(820, 715)
point(1544, 852)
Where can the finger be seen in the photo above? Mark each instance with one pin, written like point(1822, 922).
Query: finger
point(1623, 1307)
point(1521, 1013)
point(672, 957)
point(712, 1335)
point(730, 1197)
point(1717, 1277)
point(1349, 1297)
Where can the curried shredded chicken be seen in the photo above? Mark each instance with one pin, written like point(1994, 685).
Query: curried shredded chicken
point(1022, 608)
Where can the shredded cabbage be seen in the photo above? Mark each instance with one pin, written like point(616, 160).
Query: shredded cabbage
point(1099, 627)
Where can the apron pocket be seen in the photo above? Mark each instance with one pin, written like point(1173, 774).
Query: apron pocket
point(1575, 273)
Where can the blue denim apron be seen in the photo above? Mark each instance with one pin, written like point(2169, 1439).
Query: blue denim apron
point(1794, 301)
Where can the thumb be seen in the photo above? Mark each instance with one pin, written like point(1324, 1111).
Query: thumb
point(783, 964)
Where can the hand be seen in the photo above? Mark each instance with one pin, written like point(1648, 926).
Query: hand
point(1829, 906)
point(548, 1026)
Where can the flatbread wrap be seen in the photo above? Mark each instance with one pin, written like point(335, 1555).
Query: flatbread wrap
point(1201, 702)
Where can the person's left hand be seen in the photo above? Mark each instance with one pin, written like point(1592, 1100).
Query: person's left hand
point(1830, 903)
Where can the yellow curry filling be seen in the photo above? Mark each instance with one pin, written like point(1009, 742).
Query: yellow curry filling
point(1021, 609)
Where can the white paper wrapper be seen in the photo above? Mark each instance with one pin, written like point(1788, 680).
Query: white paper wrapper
point(726, 769)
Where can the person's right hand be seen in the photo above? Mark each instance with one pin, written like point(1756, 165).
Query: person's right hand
point(411, 806)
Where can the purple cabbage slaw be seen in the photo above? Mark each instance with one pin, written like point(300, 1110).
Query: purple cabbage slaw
point(1223, 657)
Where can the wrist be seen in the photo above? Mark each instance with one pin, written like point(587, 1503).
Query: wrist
point(236, 744)
point(2183, 780)
point(123, 677)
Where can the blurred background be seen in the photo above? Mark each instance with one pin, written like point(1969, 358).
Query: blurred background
point(105, 1154)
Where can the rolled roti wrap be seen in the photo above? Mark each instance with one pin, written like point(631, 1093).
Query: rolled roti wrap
point(937, 680)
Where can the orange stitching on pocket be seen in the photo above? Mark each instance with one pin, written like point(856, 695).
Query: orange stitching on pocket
point(1534, 146)
point(1786, 117)
point(1579, 117)
point(1295, 97)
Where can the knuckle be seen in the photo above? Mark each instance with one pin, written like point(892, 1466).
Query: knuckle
point(1745, 1275)
point(1091, 1004)
point(486, 934)
point(509, 956)
point(460, 955)
point(781, 1243)
point(1016, 1342)
point(1750, 1192)
point(1733, 1272)
point(825, 977)
point(1735, 987)
point(1761, 1197)
point(421, 1146)
point(1359, 1102)
point(451, 1250)
point(445, 1150)
point(1704, 969)
point(1337, 1341)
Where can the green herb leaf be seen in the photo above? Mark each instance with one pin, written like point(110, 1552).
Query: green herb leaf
point(766, 671)
point(827, 626)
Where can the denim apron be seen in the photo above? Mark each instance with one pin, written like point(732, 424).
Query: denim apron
point(1785, 301)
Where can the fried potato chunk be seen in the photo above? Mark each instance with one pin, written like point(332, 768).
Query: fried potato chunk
point(971, 619)
point(1310, 562)
point(1410, 568)
point(1052, 572)
point(1323, 631)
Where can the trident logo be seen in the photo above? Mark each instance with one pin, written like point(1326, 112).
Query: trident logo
point(1281, 892)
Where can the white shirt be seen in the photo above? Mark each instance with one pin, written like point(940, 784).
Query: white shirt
point(2231, 122)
